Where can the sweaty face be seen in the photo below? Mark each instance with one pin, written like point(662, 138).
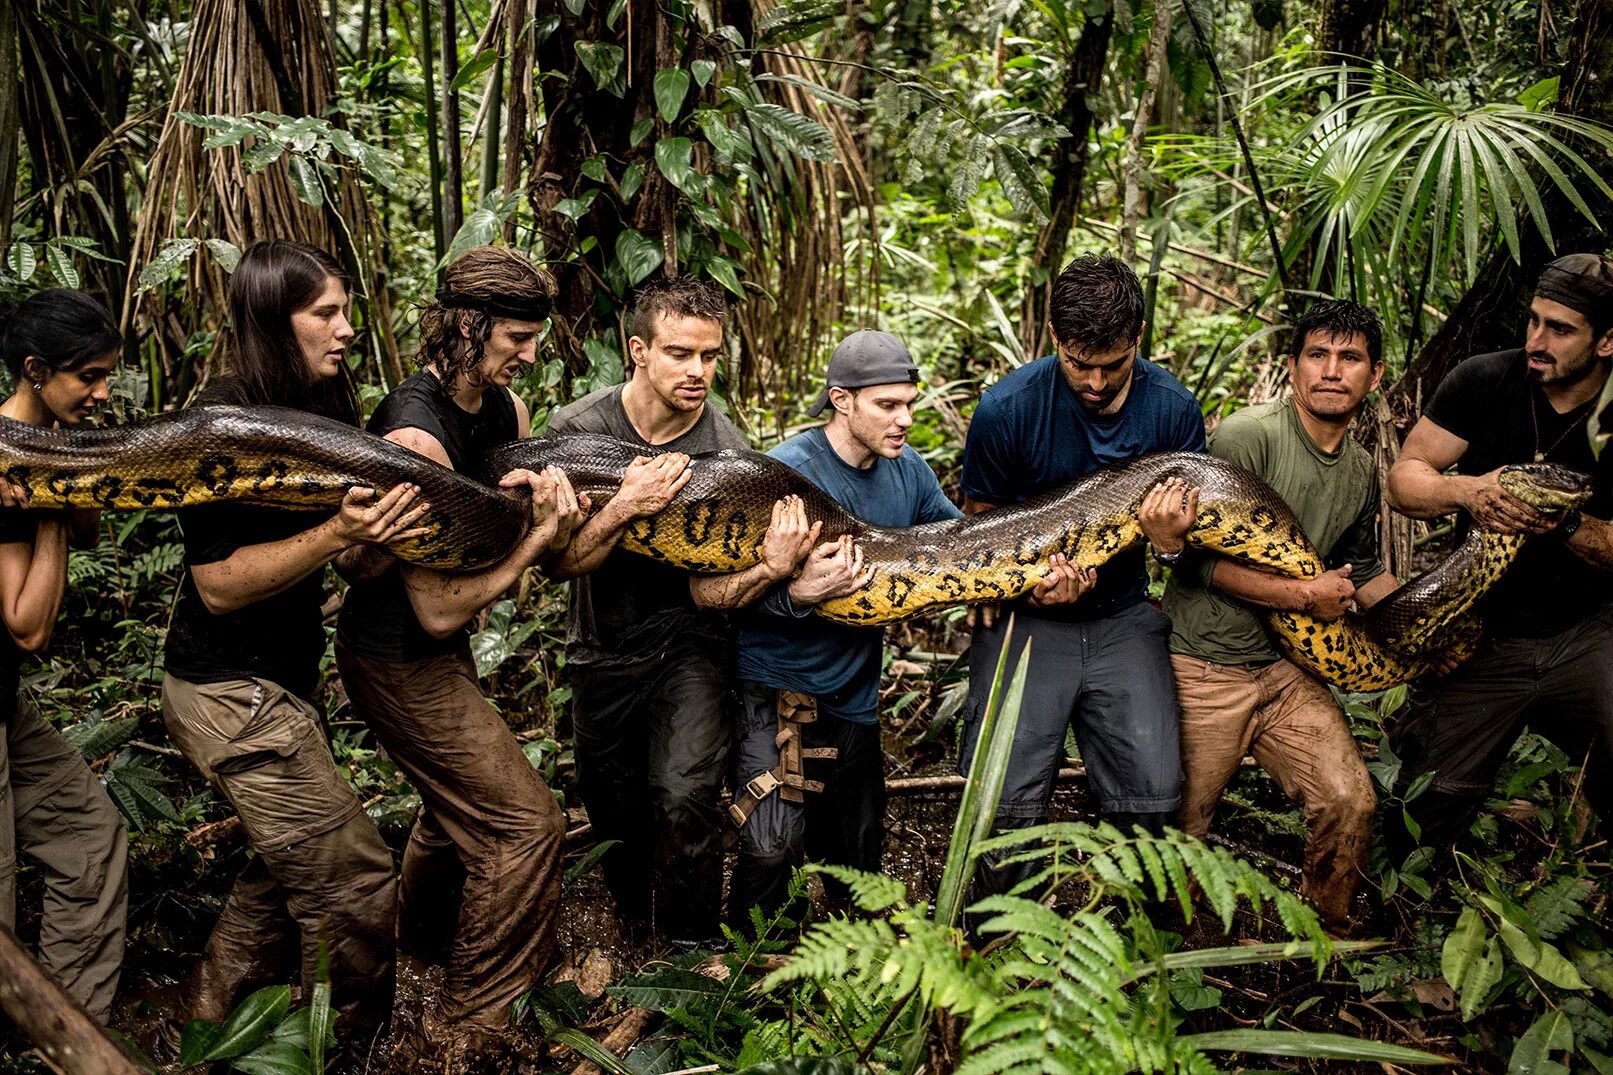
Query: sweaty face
point(878, 416)
point(73, 395)
point(1097, 377)
point(323, 331)
point(681, 362)
point(511, 347)
point(1560, 346)
point(1332, 374)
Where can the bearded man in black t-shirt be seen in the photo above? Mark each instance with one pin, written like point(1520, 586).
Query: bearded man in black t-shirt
point(1547, 656)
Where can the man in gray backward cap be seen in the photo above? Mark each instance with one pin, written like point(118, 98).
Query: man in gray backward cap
point(809, 761)
point(1546, 660)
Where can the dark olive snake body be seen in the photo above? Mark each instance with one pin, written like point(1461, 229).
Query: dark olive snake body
point(275, 456)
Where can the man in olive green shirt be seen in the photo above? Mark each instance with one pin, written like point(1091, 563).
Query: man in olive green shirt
point(1238, 694)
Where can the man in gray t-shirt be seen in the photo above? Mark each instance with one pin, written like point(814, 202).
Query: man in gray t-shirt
point(649, 670)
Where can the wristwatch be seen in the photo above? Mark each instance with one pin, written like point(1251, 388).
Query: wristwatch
point(1170, 559)
point(1569, 525)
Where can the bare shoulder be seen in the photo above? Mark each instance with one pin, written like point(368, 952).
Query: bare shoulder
point(421, 443)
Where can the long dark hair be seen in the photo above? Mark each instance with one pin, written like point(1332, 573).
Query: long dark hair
point(275, 279)
point(61, 328)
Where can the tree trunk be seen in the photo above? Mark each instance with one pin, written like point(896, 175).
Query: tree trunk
point(520, 97)
point(1153, 66)
point(1490, 315)
point(453, 160)
point(8, 121)
point(1083, 74)
point(490, 137)
point(1349, 27)
point(439, 239)
point(58, 1025)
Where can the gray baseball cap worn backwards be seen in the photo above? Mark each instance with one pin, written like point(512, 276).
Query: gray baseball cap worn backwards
point(866, 358)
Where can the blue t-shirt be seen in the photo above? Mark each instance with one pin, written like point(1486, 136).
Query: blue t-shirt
point(782, 646)
point(1031, 434)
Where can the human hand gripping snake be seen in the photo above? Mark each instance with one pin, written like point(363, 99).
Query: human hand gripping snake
point(281, 457)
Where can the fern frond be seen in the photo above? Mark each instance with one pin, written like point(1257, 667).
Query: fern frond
point(872, 892)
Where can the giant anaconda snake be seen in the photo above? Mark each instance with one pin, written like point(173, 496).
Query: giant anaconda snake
point(716, 523)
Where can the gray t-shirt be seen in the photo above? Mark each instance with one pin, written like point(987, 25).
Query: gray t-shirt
point(632, 606)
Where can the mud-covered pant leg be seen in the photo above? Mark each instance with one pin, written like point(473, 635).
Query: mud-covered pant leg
point(503, 820)
point(1218, 704)
point(253, 943)
point(1126, 721)
point(690, 729)
point(60, 816)
point(430, 887)
point(1053, 682)
point(1302, 740)
point(265, 750)
point(1574, 708)
point(772, 842)
point(610, 736)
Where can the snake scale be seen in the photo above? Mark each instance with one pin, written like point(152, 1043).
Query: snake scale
point(274, 456)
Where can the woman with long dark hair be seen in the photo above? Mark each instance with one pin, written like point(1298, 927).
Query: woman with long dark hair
point(243, 657)
point(59, 347)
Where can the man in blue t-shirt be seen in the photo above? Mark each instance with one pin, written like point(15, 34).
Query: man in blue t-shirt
point(1100, 659)
point(811, 686)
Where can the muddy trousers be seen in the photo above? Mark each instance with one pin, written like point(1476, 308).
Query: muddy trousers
point(844, 824)
point(652, 746)
point(1461, 726)
point(1109, 679)
point(1289, 722)
point(53, 810)
point(489, 830)
point(321, 874)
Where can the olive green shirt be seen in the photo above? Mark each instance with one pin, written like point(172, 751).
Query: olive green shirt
point(1335, 497)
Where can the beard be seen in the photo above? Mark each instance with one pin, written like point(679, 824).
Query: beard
point(1569, 371)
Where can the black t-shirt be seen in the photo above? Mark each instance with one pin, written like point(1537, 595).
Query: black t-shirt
point(1487, 401)
point(16, 527)
point(279, 638)
point(633, 606)
point(377, 620)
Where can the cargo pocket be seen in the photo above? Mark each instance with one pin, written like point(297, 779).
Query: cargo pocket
point(279, 774)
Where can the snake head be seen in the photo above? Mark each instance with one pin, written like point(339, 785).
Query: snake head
point(1546, 486)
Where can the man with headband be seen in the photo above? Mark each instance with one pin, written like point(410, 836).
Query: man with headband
point(481, 873)
point(1547, 655)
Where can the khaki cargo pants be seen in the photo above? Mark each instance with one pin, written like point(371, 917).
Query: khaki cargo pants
point(54, 810)
point(321, 871)
point(1289, 722)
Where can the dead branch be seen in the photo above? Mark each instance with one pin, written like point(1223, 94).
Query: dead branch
point(58, 1025)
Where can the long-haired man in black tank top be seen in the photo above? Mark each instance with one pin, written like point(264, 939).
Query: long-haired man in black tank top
point(481, 874)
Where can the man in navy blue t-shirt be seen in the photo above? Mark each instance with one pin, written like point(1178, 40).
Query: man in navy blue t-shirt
point(1100, 658)
point(808, 680)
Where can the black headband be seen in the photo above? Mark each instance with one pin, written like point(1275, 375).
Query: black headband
point(535, 308)
point(1582, 282)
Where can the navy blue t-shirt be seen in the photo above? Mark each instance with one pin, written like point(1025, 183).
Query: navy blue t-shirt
point(782, 646)
point(1031, 434)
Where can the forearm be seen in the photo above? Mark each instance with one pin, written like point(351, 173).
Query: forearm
point(592, 543)
point(732, 591)
point(1259, 588)
point(364, 562)
point(444, 603)
point(256, 572)
point(1593, 542)
point(1376, 590)
point(32, 616)
point(1418, 490)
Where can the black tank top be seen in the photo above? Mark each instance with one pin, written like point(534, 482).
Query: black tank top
point(377, 620)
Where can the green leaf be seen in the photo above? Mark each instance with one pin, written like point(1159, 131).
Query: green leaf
point(669, 989)
point(968, 172)
point(573, 209)
point(173, 254)
point(602, 61)
point(822, 93)
point(305, 182)
point(22, 260)
point(703, 70)
point(797, 20)
point(725, 272)
point(226, 253)
point(1471, 961)
point(671, 87)
point(640, 131)
point(197, 1037)
point(672, 160)
point(1019, 180)
point(1551, 1033)
point(1320, 1046)
point(274, 1058)
point(249, 1024)
point(638, 255)
point(633, 179)
point(1540, 957)
point(801, 135)
point(805, 1065)
point(731, 145)
point(1595, 966)
point(61, 266)
point(1555, 906)
point(1542, 95)
point(475, 69)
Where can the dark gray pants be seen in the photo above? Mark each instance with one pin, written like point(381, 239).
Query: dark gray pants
point(652, 750)
point(1461, 726)
point(844, 824)
point(1111, 678)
